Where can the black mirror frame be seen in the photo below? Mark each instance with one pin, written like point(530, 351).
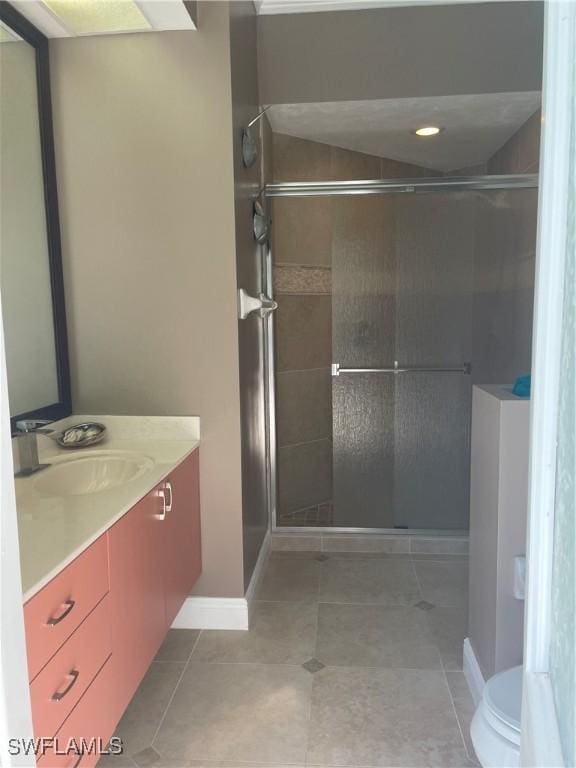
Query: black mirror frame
point(28, 32)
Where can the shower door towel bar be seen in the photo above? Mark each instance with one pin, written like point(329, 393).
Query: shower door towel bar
point(338, 370)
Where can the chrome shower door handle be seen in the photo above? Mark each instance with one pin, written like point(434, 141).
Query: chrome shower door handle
point(248, 304)
point(268, 305)
point(466, 368)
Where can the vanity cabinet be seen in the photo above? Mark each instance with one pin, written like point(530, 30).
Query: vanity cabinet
point(155, 560)
point(93, 631)
point(182, 549)
point(92, 719)
point(57, 689)
point(53, 614)
point(137, 592)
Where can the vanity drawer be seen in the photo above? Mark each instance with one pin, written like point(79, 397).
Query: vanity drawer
point(89, 727)
point(60, 607)
point(60, 685)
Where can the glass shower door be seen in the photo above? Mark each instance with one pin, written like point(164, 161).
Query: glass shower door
point(402, 282)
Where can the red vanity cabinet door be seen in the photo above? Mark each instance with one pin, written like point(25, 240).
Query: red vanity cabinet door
point(181, 539)
point(136, 594)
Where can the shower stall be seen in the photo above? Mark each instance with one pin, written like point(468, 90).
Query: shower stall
point(394, 298)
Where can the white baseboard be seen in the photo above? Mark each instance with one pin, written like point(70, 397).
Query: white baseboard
point(223, 612)
point(258, 571)
point(213, 613)
point(472, 672)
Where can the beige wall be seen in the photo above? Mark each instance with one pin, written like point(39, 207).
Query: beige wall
point(144, 153)
point(405, 52)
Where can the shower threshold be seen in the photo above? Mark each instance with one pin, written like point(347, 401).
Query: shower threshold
point(372, 542)
point(387, 532)
point(319, 518)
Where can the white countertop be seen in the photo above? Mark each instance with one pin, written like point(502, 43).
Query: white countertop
point(53, 530)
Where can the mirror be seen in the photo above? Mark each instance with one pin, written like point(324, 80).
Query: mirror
point(31, 285)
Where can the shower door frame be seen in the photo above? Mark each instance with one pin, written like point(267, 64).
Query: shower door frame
point(338, 188)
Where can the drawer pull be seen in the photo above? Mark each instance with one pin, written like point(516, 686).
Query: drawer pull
point(57, 619)
point(169, 488)
point(162, 494)
point(59, 695)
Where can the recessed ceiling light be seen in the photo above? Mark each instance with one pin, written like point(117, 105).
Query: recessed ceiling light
point(427, 130)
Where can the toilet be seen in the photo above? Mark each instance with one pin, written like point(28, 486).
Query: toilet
point(495, 728)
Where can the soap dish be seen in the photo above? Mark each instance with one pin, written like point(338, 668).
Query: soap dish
point(81, 435)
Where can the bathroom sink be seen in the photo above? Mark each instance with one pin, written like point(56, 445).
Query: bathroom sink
point(100, 471)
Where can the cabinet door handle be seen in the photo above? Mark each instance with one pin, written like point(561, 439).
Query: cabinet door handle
point(169, 488)
point(53, 620)
point(162, 495)
point(59, 695)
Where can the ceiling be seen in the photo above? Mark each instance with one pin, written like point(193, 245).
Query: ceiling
point(267, 7)
point(475, 126)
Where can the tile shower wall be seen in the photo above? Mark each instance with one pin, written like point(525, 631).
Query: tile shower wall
point(302, 287)
point(504, 264)
point(521, 152)
point(308, 234)
point(371, 257)
point(434, 257)
point(364, 310)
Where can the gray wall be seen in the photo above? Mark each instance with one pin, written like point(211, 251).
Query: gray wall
point(249, 276)
point(145, 170)
point(504, 263)
point(498, 504)
point(400, 52)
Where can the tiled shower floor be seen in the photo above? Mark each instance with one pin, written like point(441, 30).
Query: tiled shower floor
point(352, 660)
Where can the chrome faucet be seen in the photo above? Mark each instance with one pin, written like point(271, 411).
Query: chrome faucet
point(27, 443)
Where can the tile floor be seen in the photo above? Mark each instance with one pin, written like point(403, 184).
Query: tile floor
point(352, 660)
